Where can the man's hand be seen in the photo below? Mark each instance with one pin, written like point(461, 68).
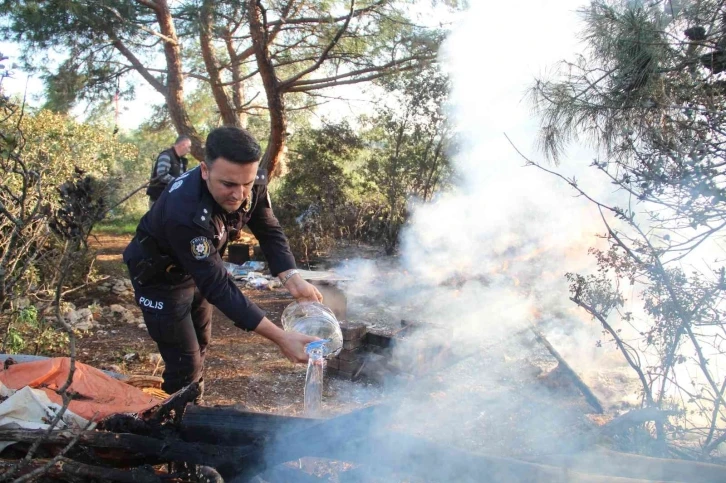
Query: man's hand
point(292, 344)
point(302, 290)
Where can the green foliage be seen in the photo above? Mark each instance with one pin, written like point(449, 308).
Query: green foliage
point(80, 28)
point(358, 186)
point(55, 146)
point(413, 142)
point(321, 198)
point(647, 94)
point(311, 46)
point(28, 333)
point(57, 182)
point(118, 226)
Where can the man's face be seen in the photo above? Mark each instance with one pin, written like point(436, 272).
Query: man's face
point(183, 147)
point(229, 183)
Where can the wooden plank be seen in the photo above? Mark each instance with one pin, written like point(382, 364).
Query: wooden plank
point(606, 462)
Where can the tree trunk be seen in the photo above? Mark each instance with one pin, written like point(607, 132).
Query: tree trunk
point(273, 158)
point(175, 79)
point(238, 97)
point(226, 110)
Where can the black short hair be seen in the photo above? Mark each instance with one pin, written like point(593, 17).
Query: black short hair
point(181, 138)
point(233, 144)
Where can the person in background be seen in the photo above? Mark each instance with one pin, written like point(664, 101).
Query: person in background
point(169, 164)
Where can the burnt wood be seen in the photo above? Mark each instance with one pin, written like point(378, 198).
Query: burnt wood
point(324, 439)
point(158, 421)
point(590, 397)
point(230, 426)
point(130, 447)
point(66, 469)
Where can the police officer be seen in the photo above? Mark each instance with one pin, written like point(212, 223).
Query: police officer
point(175, 259)
point(169, 164)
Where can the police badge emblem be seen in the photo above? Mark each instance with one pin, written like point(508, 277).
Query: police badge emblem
point(176, 184)
point(201, 247)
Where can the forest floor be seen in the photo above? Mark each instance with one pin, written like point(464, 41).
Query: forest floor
point(499, 393)
point(242, 368)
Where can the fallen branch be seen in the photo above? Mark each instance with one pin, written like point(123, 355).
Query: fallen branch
point(564, 366)
point(634, 418)
point(65, 468)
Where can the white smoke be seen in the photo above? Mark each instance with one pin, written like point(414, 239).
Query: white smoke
point(507, 233)
point(488, 259)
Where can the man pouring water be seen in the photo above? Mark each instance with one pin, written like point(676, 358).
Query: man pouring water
point(175, 259)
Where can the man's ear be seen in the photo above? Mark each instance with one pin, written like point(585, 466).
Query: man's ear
point(205, 170)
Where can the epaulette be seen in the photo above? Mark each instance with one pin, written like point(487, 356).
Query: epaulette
point(261, 178)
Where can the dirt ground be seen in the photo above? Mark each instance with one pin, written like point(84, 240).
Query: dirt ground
point(241, 368)
point(246, 370)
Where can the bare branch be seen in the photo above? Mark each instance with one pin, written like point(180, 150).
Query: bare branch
point(291, 80)
point(140, 68)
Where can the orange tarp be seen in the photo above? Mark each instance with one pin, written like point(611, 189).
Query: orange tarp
point(99, 395)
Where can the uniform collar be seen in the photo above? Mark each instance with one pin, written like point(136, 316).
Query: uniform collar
point(206, 205)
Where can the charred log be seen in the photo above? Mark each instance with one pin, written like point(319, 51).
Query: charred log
point(65, 469)
point(132, 448)
point(229, 426)
point(158, 421)
point(565, 368)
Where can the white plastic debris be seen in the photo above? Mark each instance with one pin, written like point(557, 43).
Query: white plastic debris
point(31, 409)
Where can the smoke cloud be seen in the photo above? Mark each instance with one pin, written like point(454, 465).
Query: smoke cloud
point(486, 260)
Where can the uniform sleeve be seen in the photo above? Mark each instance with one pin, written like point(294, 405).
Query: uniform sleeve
point(194, 250)
point(163, 167)
point(269, 233)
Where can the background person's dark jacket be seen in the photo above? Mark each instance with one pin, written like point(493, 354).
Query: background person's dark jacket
point(168, 165)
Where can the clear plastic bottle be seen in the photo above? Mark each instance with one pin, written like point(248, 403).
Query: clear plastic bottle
point(314, 379)
point(317, 320)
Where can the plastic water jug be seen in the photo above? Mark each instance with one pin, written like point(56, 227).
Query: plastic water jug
point(317, 320)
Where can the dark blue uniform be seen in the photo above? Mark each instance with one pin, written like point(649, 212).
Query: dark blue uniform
point(175, 263)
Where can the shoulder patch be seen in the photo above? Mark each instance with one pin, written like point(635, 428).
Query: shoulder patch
point(176, 184)
point(201, 247)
